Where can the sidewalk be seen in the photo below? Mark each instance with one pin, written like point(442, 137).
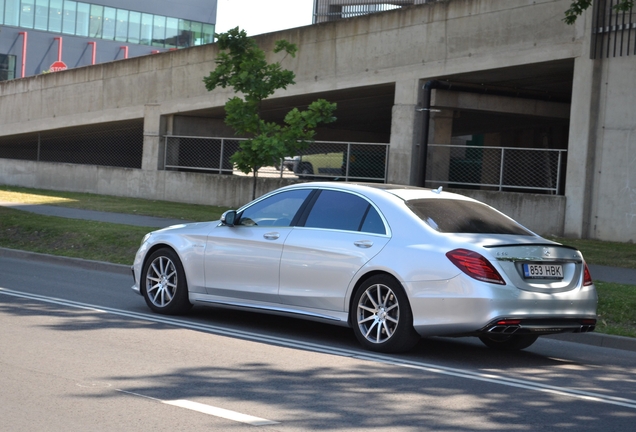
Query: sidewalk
point(98, 216)
point(599, 273)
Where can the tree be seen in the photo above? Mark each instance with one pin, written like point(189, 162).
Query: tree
point(242, 66)
point(579, 6)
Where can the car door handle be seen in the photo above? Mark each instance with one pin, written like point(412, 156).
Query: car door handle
point(363, 243)
point(271, 235)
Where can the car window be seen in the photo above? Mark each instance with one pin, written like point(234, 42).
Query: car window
point(344, 211)
point(463, 217)
point(276, 210)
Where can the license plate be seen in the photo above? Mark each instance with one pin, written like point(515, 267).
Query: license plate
point(543, 271)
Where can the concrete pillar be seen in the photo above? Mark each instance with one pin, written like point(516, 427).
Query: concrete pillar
point(438, 161)
point(582, 147)
point(405, 130)
point(150, 160)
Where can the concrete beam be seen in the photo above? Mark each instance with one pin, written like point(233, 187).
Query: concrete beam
point(500, 104)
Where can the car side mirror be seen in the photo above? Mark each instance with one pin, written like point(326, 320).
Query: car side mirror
point(229, 218)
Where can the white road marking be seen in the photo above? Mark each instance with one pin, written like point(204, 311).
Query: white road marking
point(210, 410)
point(368, 356)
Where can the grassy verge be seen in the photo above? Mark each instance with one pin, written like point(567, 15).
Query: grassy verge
point(69, 237)
point(616, 309)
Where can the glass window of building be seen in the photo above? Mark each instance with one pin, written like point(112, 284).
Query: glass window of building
point(83, 22)
point(146, 29)
point(1, 11)
point(7, 66)
point(158, 31)
point(96, 21)
point(69, 17)
point(55, 16)
point(27, 13)
point(41, 15)
point(185, 34)
point(121, 31)
point(12, 13)
point(109, 23)
point(208, 33)
point(172, 32)
point(134, 27)
point(197, 33)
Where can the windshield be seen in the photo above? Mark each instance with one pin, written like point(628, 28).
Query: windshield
point(464, 217)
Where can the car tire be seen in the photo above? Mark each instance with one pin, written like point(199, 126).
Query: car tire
point(305, 169)
point(508, 343)
point(164, 284)
point(381, 316)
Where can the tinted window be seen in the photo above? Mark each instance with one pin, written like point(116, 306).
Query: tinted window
point(277, 210)
point(344, 211)
point(455, 216)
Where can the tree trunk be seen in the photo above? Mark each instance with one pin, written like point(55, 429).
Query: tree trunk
point(255, 176)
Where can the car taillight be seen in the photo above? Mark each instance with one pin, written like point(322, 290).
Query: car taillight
point(475, 266)
point(587, 277)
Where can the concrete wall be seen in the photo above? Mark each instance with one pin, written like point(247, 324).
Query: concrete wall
point(543, 214)
point(613, 192)
point(195, 188)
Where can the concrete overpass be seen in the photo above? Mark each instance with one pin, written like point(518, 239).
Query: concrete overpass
point(511, 70)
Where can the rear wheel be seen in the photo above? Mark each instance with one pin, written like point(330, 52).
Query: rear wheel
point(305, 170)
point(511, 343)
point(164, 283)
point(381, 316)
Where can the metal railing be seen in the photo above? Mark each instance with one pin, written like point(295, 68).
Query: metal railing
point(322, 160)
point(529, 170)
point(613, 32)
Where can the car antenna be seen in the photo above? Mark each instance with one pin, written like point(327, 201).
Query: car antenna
point(438, 190)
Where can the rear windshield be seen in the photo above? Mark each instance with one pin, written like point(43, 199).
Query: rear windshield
point(465, 217)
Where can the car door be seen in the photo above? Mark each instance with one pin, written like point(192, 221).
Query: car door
point(341, 232)
point(242, 261)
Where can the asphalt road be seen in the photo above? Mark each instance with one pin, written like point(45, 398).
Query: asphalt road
point(80, 351)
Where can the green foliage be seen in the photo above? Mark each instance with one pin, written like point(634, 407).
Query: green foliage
point(242, 66)
point(577, 7)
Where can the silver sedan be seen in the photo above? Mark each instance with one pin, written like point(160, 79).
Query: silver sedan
point(395, 263)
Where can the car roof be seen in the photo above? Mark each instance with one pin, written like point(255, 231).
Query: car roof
point(403, 192)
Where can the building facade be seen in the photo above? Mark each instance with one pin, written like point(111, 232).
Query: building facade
point(39, 36)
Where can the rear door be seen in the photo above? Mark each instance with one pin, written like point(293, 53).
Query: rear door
point(340, 233)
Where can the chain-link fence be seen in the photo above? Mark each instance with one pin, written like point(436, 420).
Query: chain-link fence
point(320, 161)
point(117, 144)
point(497, 168)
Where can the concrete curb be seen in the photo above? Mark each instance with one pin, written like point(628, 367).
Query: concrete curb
point(593, 339)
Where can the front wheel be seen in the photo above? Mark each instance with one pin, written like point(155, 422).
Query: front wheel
point(510, 343)
point(381, 316)
point(165, 288)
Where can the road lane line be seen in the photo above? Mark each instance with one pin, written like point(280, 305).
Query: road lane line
point(361, 355)
point(209, 410)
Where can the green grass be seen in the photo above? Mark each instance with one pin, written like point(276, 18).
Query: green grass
point(69, 237)
point(616, 309)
